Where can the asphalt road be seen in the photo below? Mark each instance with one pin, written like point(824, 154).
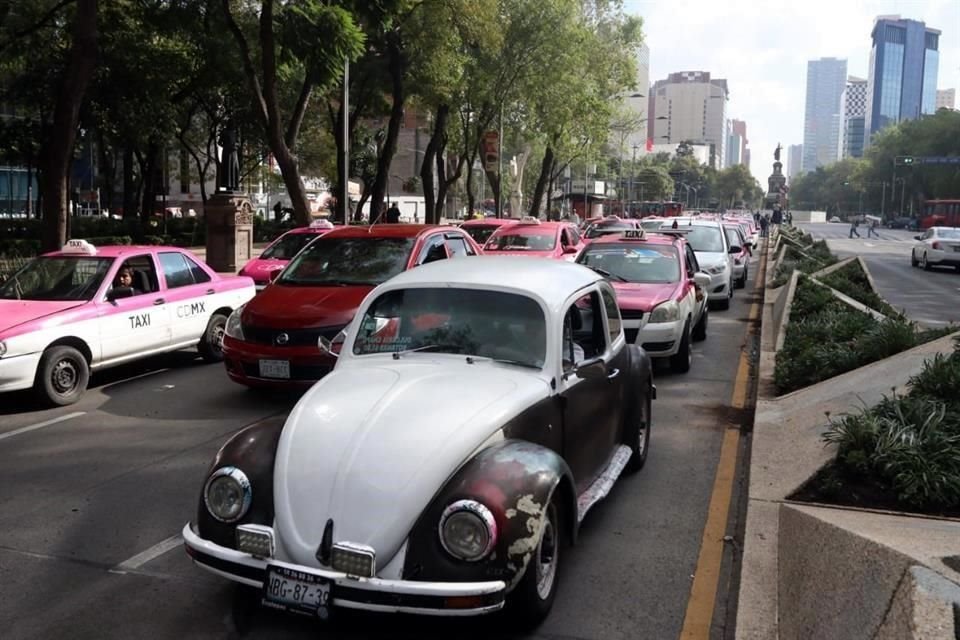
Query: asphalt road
point(93, 496)
point(931, 298)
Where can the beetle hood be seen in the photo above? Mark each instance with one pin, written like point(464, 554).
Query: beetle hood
point(369, 447)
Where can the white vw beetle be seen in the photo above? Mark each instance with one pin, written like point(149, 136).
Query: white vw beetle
point(478, 409)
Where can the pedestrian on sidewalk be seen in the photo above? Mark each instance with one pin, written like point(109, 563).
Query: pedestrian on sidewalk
point(763, 226)
point(854, 223)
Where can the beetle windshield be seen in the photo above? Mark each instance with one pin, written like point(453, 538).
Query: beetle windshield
point(470, 322)
point(658, 263)
point(287, 246)
point(363, 260)
point(57, 278)
point(523, 240)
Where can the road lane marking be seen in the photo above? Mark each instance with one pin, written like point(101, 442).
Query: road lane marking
point(134, 378)
point(703, 593)
point(41, 425)
point(142, 558)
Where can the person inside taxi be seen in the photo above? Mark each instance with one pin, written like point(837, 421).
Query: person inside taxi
point(124, 280)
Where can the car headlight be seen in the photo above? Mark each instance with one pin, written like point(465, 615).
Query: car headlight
point(234, 327)
point(227, 494)
point(3, 348)
point(468, 530)
point(718, 269)
point(667, 312)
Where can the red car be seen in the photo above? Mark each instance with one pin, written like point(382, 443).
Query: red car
point(276, 256)
point(531, 237)
point(480, 229)
point(272, 340)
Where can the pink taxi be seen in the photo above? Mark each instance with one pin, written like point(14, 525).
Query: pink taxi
point(660, 291)
point(85, 308)
point(532, 237)
point(276, 256)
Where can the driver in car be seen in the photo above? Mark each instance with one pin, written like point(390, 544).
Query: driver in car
point(124, 280)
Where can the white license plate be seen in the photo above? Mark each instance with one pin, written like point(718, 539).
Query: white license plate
point(275, 369)
point(297, 590)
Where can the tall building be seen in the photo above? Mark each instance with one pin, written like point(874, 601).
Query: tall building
point(636, 102)
point(854, 117)
point(737, 152)
point(823, 117)
point(946, 98)
point(690, 106)
point(902, 82)
point(794, 161)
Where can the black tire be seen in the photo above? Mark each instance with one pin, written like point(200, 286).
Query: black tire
point(211, 344)
point(913, 259)
point(743, 280)
point(923, 263)
point(531, 600)
point(724, 304)
point(700, 329)
point(638, 431)
point(62, 376)
point(681, 361)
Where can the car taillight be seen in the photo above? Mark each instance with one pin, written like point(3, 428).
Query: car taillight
point(936, 245)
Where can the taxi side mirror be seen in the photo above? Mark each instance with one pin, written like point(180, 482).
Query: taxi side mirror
point(569, 249)
point(274, 274)
point(116, 293)
point(735, 249)
point(701, 279)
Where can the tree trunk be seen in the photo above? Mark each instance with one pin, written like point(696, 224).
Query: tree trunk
point(443, 182)
point(62, 133)
point(546, 168)
point(339, 144)
point(493, 179)
point(148, 169)
point(129, 185)
point(471, 198)
point(430, 155)
point(396, 66)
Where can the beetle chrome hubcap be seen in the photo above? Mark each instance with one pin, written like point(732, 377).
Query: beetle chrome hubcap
point(64, 376)
point(642, 438)
point(546, 559)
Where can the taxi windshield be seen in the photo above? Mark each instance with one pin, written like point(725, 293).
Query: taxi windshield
point(524, 240)
point(503, 326)
point(287, 246)
point(365, 260)
point(57, 278)
point(647, 263)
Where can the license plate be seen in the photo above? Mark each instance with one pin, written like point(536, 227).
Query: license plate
point(275, 369)
point(297, 590)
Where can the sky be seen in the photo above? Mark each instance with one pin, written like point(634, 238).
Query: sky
point(762, 48)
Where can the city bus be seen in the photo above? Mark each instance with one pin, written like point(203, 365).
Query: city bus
point(660, 209)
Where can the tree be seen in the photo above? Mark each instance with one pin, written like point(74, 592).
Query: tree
point(735, 184)
point(314, 41)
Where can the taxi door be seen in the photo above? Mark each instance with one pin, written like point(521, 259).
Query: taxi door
point(137, 325)
point(192, 297)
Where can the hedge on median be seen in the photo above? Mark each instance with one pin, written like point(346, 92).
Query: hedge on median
point(802, 253)
point(902, 454)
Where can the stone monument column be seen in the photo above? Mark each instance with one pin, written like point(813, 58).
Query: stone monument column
point(228, 212)
point(775, 183)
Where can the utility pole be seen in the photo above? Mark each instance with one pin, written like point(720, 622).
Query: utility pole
point(633, 172)
point(343, 197)
point(500, 166)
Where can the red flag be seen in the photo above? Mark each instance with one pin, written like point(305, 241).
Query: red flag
point(649, 144)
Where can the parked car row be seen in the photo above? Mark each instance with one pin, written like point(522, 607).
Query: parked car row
point(461, 416)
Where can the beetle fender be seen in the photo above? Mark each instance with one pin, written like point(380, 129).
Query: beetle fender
point(515, 480)
point(252, 450)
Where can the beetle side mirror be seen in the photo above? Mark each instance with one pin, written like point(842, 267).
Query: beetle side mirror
point(592, 369)
point(735, 249)
point(332, 347)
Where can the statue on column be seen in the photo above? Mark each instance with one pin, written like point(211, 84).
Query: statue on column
point(229, 161)
point(776, 152)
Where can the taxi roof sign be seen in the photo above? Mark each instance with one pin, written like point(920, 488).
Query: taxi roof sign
point(79, 246)
point(634, 234)
point(529, 220)
point(321, 224)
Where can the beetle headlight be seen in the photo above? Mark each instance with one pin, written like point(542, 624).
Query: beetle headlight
point(468, 530)
point(667, 312)
point(227, 494)
point(234, 327)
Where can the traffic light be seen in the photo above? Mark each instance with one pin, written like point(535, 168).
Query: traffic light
point(904, 160)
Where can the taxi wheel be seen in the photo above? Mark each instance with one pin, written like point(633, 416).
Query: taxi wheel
point(638, 432)
point(533, 596)
point(211, 345)
point(684, 358)
point(62, 376)
point(923, 263)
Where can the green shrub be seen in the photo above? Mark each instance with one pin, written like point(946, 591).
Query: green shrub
point(939, 380)
point(853, 281)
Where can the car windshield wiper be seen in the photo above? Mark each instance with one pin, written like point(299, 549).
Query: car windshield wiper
point(426, 347)
point(516, 363)
point(607, 274)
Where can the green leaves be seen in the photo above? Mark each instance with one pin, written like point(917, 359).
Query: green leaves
point(319, 37)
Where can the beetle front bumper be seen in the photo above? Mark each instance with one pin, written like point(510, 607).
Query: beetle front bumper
point(371, 594)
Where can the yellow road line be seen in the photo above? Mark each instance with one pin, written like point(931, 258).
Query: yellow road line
point(703, 593)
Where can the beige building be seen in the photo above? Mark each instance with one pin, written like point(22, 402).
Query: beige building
point(691, 106)
point(946, 98)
